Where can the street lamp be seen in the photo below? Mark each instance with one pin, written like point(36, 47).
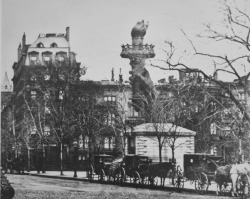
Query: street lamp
point(75, 144)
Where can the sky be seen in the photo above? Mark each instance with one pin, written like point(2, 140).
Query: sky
point(98, 28)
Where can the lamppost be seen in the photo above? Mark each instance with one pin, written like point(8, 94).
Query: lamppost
point(75, 144)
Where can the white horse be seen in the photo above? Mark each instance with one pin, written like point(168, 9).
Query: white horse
point(230, 173)
point(234, 173)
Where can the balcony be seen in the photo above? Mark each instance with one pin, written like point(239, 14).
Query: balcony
point(143, 51)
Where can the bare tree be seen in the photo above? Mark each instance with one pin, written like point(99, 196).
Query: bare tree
point(49, 103)
point(236, 32)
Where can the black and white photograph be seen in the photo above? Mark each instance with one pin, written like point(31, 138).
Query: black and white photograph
point(114, 99)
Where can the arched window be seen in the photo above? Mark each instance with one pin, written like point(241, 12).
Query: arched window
point(60, 56)
point(33, 57)
point(40, 45)
point(53, 45)
point(47, 57)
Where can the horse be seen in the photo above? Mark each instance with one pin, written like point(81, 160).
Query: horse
point(229, 174)
point(161, 170)
point(235, 171)
point(222, 177)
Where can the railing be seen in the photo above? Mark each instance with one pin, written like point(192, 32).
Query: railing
point(129, 51)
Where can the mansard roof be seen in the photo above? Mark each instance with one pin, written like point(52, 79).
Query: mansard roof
point(47, 40)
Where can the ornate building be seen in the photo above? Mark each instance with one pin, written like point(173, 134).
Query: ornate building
point(50, 52)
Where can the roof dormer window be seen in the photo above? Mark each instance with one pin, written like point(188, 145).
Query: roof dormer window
point(40, 45)
point(53, 45)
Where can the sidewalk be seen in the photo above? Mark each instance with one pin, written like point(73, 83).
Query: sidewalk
point(82, 176)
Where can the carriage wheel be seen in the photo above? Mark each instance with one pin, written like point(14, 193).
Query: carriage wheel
point(137, 179)
point(120, 175)
point(144, 180)
point(178, 179)
point(242, 185)
point(225, 189)
point(153, 181)
point(201, 183)
point(123, 175)
point(102, 176)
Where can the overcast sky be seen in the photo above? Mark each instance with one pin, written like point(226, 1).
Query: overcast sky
point(98, 28)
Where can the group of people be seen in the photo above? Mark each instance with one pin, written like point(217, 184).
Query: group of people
point(14, 164)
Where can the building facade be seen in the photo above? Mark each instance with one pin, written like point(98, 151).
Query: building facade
point(41, 98)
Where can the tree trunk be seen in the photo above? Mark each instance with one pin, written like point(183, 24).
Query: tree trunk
point(173, 161)
point(61, 157)
point(160, 153)
point(43, 159)
point(28, 160)
point(173, 154)
point(37, 160)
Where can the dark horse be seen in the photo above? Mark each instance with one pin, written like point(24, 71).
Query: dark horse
point(161, 170)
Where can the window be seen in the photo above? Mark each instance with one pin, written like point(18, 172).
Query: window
point(241, 96)
point(33, 56)
point(110, 119)
point(86, 142)
point(134, 113)
point(61, 94)
point(47, 131)
point(33, 59)
point(108, 143)
point(47, 57)
point(60, 56)
point(5, 87)
point(40, 45)
point(110, 100)
point(213, 129)
point(33, 95)
point(53, 45)
point(131, 145)
point(213, 150)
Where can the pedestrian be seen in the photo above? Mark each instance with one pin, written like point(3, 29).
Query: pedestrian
point(9, 164)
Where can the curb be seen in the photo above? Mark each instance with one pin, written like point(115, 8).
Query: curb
point(58, 177)
point(209, 192)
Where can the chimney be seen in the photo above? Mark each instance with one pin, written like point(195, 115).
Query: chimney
point(19, 52)
point(67, 33)
point(120, 77)
point(112, 75)
point(24, 40)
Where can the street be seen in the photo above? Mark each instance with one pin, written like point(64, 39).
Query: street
point(30, 187)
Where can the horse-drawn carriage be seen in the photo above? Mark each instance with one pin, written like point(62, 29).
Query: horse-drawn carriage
point(106, 168)
point(133, 168)
point(101, 166)
point(200, 169)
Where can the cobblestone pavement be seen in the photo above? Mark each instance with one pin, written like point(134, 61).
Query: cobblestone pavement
point(32, 187)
